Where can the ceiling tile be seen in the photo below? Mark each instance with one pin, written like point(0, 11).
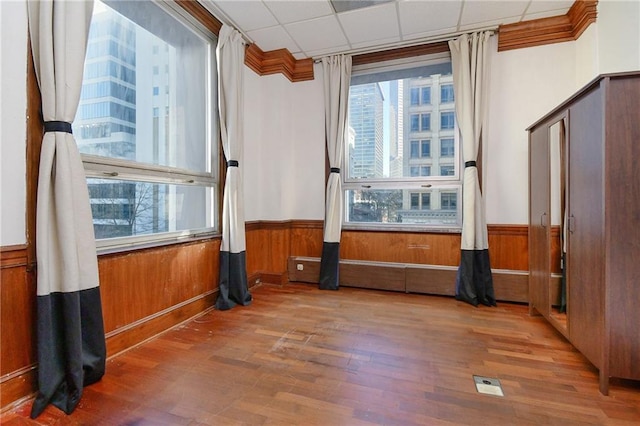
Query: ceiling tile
point(475, 12)
point(295, 10)
point(559, 6)
point(373, 23)
point(430, 34)
point(420, 16)
point(489, 24)
point(317, 34)
point(273, 38)
point(247, 15)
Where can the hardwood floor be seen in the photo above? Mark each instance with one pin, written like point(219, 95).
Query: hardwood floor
point(299, 355)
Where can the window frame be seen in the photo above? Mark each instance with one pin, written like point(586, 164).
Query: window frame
point(99, 167)
point(408, 184)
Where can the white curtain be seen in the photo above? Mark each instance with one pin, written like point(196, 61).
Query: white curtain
point(337, 79)
point(233, 288)
point(70, 334)
point(470, 59)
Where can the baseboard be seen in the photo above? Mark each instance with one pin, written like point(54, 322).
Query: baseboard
point(18, 387)
point(137, 332)
point(509, 285)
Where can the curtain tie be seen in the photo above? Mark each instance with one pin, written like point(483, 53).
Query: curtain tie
point(469, 164)
point(233, 163)
point(57, 126)
point(334, 170)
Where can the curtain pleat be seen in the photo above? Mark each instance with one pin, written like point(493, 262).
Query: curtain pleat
point(233, 289)
point(337, 79)
point(469, 56)
point(70, 332)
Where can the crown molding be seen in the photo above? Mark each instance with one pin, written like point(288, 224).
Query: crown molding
point(278, 61)
point(555, 29)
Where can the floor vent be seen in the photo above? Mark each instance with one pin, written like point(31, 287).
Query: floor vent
point(488, 386)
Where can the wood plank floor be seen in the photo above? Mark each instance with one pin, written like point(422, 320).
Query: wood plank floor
point(302, 356)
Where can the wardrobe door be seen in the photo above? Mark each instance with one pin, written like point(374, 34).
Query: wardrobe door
point(539, 221)
point(585, 249)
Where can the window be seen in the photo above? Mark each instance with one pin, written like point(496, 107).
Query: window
point(415, 122)
point(391, 176)
point(415, 96)
point(426, 95)
point(425, 122)
point(446, 93)
point(151, 177)
point(415, 146)
point(447, 120)
point(449, 200)
point(425, 148)
point(447, 171)
point(447, 147)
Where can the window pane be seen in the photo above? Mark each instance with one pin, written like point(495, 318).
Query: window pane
point(396, 206)
point(447, 120)
point(446, 93)
point(447, 147)
point(425, 148)
point(426, 95)
point(128, 208)
point(389, 163)
point(124, 91)
point(426, 122)
point(415, 96)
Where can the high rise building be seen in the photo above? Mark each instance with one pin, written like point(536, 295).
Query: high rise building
point(366, 120)
point(117, 110)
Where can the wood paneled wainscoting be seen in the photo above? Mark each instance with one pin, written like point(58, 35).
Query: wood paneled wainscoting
point(144, 293)
point(403, 261)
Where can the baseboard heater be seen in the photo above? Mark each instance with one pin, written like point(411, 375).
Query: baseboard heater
point(509, 285)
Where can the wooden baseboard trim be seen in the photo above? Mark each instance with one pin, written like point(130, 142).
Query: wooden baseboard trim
point(509, 285)
point(17, 387)
point(133, 334)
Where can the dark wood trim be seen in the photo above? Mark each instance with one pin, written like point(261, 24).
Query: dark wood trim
point(13, 256)
point(400, 53)
point(310, 224)
point(203, 16)
point(550, 30)
point(278, 61)
point(17, 387)
point(35, 133)
point(522, 230)
point(274, 225)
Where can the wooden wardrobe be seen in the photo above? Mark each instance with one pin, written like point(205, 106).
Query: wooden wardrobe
point(584, 202)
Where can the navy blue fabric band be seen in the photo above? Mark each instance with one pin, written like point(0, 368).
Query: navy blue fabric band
point(233, 163)
point(470, 164)
point(335, 170)
point(57, 126)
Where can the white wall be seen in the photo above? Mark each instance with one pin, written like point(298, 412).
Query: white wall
point(618, 27)
point(13, 101)
point(284, 148)
point(525, 85)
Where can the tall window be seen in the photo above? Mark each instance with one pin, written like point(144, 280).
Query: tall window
point(150, 156)
point(446, 93)
point(402, 187)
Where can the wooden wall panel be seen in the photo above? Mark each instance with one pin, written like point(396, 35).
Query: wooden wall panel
point(17, 325)
point(433, 249)
point(306, 238)
point(268, 250)
point(136, 285)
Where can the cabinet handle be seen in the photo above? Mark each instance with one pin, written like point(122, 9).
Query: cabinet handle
point(543, 220)
point(572, 224)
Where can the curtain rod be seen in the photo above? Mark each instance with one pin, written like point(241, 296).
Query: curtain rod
point(392, 46)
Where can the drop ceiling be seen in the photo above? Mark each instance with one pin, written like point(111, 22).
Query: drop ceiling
point(313, 28)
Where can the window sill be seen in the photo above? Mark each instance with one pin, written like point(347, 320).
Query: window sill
point(133, 246)
point(414, 229)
